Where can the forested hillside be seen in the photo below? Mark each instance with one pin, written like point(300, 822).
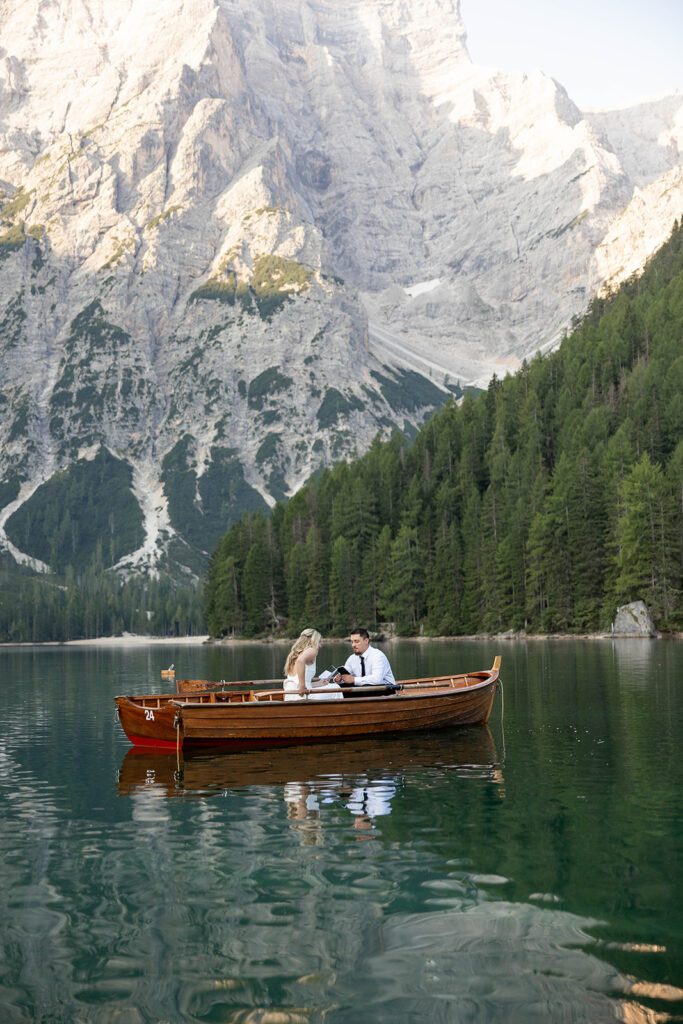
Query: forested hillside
point(541, 504)
point(91, 601)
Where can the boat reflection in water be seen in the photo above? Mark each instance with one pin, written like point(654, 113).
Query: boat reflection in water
point(365, 774)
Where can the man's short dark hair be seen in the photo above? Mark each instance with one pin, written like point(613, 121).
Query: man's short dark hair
point(359, 631)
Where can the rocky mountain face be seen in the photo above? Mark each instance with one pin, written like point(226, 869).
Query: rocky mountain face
point(237, 241)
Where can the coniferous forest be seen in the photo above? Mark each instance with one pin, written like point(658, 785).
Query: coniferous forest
point(542, 504)
point(92, 601)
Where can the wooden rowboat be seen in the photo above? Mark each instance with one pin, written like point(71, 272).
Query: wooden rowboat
point(251, 718)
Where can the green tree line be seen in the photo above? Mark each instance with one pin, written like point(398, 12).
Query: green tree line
point(92, 602)
point(541, 504)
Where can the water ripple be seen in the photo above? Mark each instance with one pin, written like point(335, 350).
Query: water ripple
point(518, 874)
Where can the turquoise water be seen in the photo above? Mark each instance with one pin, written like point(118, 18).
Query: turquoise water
point(528, 871)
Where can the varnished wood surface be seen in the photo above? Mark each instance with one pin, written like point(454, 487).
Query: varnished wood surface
point(231, 718)
point(189, 686)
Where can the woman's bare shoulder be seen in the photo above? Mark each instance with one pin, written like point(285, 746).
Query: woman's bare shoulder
point(307, 656)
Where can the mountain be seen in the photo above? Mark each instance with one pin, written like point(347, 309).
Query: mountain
point(238, 242)
point(543, 505)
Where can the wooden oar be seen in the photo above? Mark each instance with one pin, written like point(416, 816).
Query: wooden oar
point(205, 685)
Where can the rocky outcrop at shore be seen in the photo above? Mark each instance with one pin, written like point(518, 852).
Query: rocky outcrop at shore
point(633, 620)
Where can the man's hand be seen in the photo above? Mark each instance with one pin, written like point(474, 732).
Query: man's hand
point(344, 678)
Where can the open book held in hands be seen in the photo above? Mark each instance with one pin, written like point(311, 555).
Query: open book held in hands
point(331, 673)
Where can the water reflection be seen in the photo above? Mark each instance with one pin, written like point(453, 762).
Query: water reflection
point(524, 874)
point(635, 659)
point(361, 778)
point(368, 768)
point(481, 947)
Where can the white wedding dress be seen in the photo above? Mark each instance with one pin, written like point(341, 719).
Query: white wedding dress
point(331, 691)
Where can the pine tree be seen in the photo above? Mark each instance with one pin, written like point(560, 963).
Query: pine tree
point(401, 595)
point(297, 580)
point(342, 587)
point(317, 608)
point(256, 586)
point(224, 615)
point(648, 558)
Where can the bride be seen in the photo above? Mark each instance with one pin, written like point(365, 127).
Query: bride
point(300, 671)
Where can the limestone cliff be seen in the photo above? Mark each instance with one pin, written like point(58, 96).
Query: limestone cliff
point(237, 241)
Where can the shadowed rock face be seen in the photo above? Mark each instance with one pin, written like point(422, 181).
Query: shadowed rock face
point(199, 193)
point(314, 170)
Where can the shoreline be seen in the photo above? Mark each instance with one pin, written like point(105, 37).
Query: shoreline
point(125, 640)
point(138, 640)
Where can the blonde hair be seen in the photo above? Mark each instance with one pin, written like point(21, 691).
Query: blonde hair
point(308, 638)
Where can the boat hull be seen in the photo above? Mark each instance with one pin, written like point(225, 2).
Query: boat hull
point(248, 719)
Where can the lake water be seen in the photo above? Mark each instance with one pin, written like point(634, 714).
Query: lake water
point(528, 871)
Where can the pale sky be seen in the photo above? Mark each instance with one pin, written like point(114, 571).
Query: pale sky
point(606, 53)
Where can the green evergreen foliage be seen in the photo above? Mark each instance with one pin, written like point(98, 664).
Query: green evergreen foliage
point(92, 602)
point(272, 454)
point(406, 389)
point(12, 324)
point(154, 222)
point(334, 405)
point(267, 384)
point(248, 564)
point(20, 422)
point(38, 262)
point(92, 331)
point(276, 280)
point(540, 504)
point(646, 537)
point(14, 206)
point(86, 511)
point(200, 507)
point(80, 397)
point(12, 240)
point(269, 449)
point(9, 490)
point(221, 289)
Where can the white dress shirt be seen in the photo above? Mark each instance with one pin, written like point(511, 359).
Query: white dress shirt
point(377, 668)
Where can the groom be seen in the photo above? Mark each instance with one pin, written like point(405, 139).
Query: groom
point(367, 666)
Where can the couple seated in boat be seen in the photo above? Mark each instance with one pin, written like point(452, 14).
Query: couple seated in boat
point(366, 666)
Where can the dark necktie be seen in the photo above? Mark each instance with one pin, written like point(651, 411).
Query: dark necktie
point(362, 664)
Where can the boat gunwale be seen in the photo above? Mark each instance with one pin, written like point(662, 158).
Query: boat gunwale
point(176, 700)
point(401, 695)
point(256, 704)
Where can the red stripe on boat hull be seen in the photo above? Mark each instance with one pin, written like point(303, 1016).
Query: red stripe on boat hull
point(148, 741)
